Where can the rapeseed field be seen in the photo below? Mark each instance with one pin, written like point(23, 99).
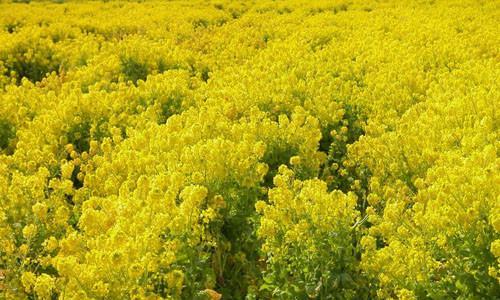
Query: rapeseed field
point(340, 149)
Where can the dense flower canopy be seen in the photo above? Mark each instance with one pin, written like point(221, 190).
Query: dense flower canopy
point(343, 149)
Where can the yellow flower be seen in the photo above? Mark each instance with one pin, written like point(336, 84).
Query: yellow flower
point(175, 280)
point(67, 170)
point(295, 160)
point(496, 222)
point(262, 169)
point(40, 210)
point(208, 215)
point(135, 270)
point(51, 244)
point(61, 216)
point(29, 231)
point(197, 177)
point(404, 294)
point(218, 202)
point(260, 206)
point(493, 272)
point(24, 249)
point(368, 243)
point(495, 248)
point(213, 295)
point(28, 280)
point(69, 148)
point(101, 289)
point(44, 286)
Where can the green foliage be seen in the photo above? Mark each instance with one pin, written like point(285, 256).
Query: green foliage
point(80, 134)
point(133, 69)
point(34, 66)
point(170, 107)
point(7, 133)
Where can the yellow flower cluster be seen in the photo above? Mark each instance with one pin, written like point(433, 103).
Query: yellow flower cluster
point(308, 236)
point(249, 150)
